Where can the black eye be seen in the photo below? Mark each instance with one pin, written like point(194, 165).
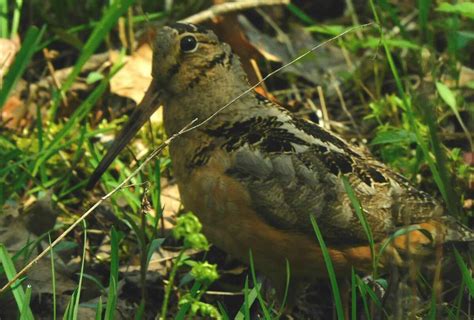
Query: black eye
point(188, 44)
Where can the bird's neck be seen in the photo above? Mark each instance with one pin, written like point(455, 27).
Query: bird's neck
point(216, 89)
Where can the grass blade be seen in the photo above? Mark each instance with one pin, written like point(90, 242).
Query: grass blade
point(98, 310)
point(249, 299)
point(266, 313)
point(362, 218)
point(466, 273)
point(353, 295)
point(81, 112)
point(16, 18)
point(223, 311)
point(113, 280)
point(53, 279)
point(72, 308)
point(29, 46)
point(3, 20)
point(109, 19)
point(26, 304)
point(18, 292)
point(440, 181)
point(330, 268)
point(424, 11)
point(287, 286)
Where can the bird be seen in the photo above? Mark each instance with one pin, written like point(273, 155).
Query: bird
point(256, 175)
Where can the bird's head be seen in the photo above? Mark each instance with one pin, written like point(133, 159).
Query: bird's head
point(185, 56)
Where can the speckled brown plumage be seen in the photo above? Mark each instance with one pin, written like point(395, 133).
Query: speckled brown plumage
point(254, 174)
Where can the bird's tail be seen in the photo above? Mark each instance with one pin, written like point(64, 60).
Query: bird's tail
point(456, 231)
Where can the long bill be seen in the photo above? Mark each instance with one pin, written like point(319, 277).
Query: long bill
point(149, 104)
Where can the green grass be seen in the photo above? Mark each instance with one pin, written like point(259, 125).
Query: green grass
point(109, 19)
point(112, 292)
point(72, 308)
point(3, 19)
point(330, 269)
point(22, 59)
point(57, 152)
point(53, 281)
point(22, 299)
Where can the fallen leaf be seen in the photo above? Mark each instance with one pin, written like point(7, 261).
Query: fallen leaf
point(40, 279)
point(8, 49)
point(312, 67)
point(134, 78)
point(13, 113)
point(20, 225)
point(229, 30)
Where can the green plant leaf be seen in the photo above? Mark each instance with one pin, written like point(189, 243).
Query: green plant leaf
point(448, 96)
point(373, 42)
point(393, 137)
point(465, 9)
point(152, 247)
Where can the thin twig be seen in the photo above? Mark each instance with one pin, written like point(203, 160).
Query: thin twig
point(324, 109)
point(223, 8)
point(189, 127)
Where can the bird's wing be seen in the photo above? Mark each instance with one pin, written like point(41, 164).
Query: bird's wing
point(292, 169)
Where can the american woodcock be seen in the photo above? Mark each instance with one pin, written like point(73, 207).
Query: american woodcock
point(254, 173)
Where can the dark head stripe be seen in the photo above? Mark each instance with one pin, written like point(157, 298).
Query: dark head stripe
point(185, 27)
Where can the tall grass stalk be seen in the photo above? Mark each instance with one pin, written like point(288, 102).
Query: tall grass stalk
point(330, 269)
point(266, 312)
point(17, 289)
point(109, 19)
point(440, 180)
point(53, 280)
